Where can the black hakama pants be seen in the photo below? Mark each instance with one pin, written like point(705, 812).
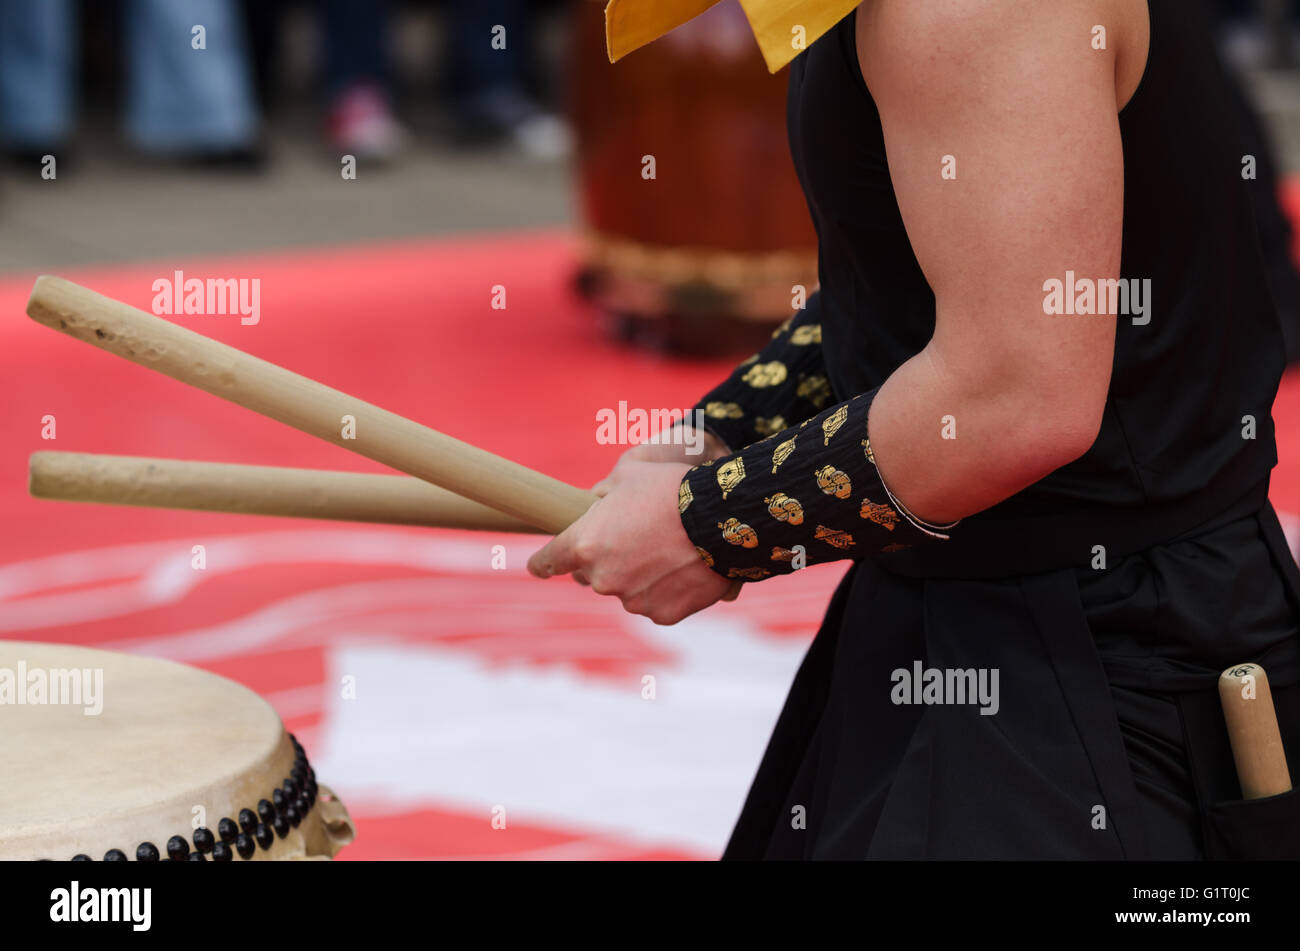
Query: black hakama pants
point(1108, 742)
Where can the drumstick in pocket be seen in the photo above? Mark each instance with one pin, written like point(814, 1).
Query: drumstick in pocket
point(306, 405)
point(1253, 731)
point(258, 490)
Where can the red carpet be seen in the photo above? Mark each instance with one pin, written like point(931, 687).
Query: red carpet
point(478, 689)
point(409, 327)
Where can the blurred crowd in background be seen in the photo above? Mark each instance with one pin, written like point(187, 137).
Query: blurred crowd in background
point(485, 115)
point(198, 80)
point(208, 99)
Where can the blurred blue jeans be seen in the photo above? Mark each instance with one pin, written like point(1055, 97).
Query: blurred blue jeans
point(356, 39)
point(474, 68)
point(179, 99)
point(355, 35)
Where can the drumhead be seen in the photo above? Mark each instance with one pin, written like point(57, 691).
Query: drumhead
point(106, 751)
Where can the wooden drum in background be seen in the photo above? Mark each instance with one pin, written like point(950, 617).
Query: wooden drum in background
point(709, 249)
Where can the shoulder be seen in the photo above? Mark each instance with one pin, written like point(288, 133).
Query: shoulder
point(971, 50)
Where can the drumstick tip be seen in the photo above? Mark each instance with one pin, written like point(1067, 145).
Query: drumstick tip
point(38, 302)
point(33, 463)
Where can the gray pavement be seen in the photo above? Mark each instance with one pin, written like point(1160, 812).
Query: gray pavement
point(108, 208)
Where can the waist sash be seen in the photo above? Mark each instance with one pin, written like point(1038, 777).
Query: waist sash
point(985, 547)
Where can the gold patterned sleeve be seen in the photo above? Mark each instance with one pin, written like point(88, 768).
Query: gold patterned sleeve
point(805, 495)
point(780, 386)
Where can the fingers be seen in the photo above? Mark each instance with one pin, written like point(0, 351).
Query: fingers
point(665, 611)
point(556, 557)
point(658, 610)
point(540, 562)
point(627, 463)
point(603, 487)
point(674, 599)
point(565, 552)
point(662, 603)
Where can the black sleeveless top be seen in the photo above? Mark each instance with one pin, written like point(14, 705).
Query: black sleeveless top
point(1197, 574)
point(1212, 351)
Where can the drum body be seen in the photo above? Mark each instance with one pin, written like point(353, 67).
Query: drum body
point(690, 204)
point(106, 752)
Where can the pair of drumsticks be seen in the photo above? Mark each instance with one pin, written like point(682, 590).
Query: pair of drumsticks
point(456, 486)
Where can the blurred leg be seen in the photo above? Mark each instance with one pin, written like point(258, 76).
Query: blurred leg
point(38, 40)
point(360, 119)
point(355, 34)
point(182, 100)
point(486, 80)
point(263, 20)
point(474, 66)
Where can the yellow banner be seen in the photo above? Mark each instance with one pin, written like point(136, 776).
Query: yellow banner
point(783, 28)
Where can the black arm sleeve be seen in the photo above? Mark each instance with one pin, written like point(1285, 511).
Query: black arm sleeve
point(781, 386)
point(805, 495)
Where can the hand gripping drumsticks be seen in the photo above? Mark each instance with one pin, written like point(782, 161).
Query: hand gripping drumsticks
point(258, 490)
point(1253, 731)
point(306, 405)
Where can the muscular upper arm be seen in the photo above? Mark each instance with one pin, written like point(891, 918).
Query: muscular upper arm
point(1013, 97)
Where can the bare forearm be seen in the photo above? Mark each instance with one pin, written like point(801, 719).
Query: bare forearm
point(955, 437)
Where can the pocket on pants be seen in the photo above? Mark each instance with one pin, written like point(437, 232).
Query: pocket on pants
point(1235, 828)
point(1255, 829)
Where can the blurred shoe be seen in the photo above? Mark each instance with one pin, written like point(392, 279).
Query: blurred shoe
point(544, 136)
point(361, 124)
point(505, 114)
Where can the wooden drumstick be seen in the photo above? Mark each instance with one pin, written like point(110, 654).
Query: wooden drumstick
point(1253, 731)
point(258, 490)
point(306, 405)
